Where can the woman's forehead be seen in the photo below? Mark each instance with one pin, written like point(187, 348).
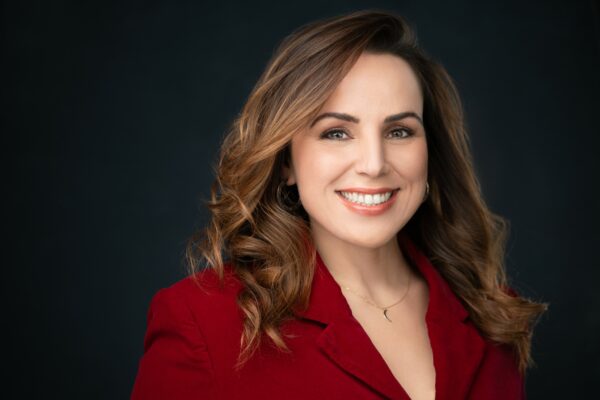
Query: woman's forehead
point(377, 82)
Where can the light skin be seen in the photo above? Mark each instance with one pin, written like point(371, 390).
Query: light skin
point(369, 134)
point(364, 152)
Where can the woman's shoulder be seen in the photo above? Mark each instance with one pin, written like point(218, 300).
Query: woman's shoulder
point(202, 300)
point(193, 332)
point(204, 291)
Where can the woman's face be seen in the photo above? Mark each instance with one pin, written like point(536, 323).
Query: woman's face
point(361, 168)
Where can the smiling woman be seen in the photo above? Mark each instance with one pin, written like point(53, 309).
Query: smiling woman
point(350, 253)
point(380, 149)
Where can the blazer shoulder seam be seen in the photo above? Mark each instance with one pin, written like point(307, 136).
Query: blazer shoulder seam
point(202, 336)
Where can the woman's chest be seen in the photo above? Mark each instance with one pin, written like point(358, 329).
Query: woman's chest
point(402, 340)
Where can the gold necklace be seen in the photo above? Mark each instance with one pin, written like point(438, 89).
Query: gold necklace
point(384, 309)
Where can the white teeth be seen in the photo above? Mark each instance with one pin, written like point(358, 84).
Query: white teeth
point(367, 199)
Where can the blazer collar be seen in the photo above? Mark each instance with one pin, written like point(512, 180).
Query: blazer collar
point(327, 302)
point(457, 348)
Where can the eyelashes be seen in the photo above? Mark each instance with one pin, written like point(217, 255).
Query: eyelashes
point(329, 134)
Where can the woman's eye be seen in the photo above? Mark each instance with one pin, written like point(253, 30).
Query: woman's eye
point(335, 134)
point(401, 133)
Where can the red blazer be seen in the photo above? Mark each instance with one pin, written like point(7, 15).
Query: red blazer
point(193, 339)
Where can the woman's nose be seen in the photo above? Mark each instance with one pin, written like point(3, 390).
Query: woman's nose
point(371, 158)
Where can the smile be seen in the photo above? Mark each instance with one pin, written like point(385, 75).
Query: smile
point(365, 199)
point(368, 204)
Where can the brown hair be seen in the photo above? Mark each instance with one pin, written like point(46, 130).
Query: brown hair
point(270, 247)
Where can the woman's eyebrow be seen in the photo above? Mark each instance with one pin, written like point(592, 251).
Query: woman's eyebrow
point(351, 118)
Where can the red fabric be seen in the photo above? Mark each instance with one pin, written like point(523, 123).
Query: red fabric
point(193, 339)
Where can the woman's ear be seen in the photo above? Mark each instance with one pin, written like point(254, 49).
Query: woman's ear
point(287, 172)
point(287, 167)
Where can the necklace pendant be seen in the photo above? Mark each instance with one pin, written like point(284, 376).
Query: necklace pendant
point(385, 315)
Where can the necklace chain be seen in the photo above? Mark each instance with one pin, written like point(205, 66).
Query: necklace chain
point(384, 309)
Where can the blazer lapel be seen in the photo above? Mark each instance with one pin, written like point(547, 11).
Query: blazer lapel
point(457, 348)
point(344, 340)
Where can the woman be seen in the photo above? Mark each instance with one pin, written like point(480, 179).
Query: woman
point(350, 253)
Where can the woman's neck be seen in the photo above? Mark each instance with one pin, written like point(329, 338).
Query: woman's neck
point(377, 272)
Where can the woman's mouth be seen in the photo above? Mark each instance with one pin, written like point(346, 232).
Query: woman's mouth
point(368, 203)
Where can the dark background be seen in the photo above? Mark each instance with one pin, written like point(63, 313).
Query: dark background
point(111, 118)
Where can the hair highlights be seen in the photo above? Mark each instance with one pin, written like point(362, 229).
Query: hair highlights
point(269, 246)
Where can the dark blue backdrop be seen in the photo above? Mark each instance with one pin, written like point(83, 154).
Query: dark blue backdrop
point(111, 119)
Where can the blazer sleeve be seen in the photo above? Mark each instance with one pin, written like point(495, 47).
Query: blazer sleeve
point(176, 363)
point(498, 376)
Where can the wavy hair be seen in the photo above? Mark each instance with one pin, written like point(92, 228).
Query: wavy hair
point(269, 246)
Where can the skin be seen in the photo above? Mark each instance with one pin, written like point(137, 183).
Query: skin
point(361, 251)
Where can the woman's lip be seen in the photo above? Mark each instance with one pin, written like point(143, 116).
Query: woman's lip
point(369, 210)
point(368, 190)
